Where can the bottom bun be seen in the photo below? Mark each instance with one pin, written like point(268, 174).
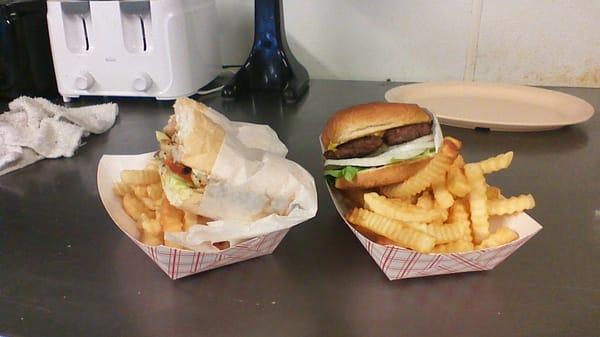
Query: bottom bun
point(381, 176)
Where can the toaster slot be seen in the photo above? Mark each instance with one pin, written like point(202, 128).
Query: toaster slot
point(145, 44)
point(136, 21)
point(85, 34)
point(77, 23)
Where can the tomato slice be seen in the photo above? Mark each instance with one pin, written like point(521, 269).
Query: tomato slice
point(179, 169)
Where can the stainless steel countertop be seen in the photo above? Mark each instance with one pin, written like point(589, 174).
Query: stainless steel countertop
point(67, 270)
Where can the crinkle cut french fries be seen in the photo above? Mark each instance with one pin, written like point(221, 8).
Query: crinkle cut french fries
point(144, 201)
point(443, 208)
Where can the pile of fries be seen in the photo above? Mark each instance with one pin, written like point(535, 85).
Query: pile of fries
point(144, 201)
point(443, 208)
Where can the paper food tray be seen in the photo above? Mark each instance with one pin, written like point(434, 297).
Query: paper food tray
point(400, 263)
point(176, 263)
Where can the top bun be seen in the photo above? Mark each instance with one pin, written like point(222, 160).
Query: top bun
point(365, 119)
point(199, 138)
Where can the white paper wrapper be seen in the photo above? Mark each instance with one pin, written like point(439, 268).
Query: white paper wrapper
point(438, 137)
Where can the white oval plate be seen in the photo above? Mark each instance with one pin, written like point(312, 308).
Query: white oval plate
point(500, 107)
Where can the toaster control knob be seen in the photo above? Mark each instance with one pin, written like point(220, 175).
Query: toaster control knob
point(142, 82)
point(84, 81)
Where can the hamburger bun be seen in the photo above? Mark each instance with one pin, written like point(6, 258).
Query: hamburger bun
point(200, 138)
point(381, 176)
point(365, 119)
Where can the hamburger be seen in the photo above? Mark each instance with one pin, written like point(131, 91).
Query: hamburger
point(376, 144)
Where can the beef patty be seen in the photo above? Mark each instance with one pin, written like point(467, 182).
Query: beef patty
point(406, 133)
point(359, 147)
point(366, 145)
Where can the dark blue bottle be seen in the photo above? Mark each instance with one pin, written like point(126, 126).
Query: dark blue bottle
point(271, 65)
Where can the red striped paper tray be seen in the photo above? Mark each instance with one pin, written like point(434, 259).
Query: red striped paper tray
point(178, 263)
point(401, 263)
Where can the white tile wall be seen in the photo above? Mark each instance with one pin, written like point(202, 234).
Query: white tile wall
point(236, 24)
point(375, 40)
point(540, 42)
point(548, 42)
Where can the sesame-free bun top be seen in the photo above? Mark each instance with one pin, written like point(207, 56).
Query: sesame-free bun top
point(199, 137)
point(365, 119)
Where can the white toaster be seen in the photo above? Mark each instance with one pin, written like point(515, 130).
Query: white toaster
point(151, 48)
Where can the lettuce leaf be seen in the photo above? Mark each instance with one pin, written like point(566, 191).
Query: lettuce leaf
point(161, 136)
point(175, 181)
point(348, 172)
point(177, 189)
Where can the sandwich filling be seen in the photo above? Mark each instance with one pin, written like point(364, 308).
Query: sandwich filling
point(176, 174)
point(405, 143)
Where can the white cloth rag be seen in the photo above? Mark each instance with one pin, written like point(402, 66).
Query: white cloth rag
point(35, 128)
